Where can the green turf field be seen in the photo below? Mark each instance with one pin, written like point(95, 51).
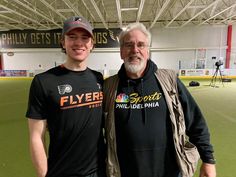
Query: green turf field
point(218, 104)
point(14, 152)
point(219, 107)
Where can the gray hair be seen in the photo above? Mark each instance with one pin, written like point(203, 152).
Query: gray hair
point(135, 26)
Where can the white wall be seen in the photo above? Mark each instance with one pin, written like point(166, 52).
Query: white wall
point(107, 63)
point(177, 48)
point(32, 60)
point(100, 59)
point(170, 48)
point(190, 37)
point(174, 59)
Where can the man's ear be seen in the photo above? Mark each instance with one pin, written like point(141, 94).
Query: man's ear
point(93, 46)
point(62, 43)
point(121, 54)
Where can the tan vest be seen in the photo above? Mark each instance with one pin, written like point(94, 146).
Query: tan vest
point(186, 153)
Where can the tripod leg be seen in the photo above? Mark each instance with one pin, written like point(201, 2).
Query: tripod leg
point(213, 79)
point(221, 78)
point(216, 75)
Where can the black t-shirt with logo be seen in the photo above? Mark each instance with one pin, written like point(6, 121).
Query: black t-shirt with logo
point(71, 102)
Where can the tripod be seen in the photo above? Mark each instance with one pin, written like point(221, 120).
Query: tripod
point(214, 77)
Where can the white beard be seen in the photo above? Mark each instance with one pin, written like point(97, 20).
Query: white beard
point(134, 68)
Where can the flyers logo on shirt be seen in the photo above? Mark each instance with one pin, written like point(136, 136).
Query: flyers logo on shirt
point(62, 89)
point(89, 99)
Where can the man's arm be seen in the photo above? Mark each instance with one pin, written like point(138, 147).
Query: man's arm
point(198, 132)
point(37, 129)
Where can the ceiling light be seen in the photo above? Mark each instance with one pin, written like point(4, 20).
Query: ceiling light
point(129, 9)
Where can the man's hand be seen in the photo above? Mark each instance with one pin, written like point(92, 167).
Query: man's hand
point(207, 170)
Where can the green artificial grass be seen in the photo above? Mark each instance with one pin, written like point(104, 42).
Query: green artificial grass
point(218, 104)
point(14, 146)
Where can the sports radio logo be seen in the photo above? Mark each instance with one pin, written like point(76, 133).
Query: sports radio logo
point(62, 89)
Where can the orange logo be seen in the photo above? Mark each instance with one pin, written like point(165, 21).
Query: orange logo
point(91, 99)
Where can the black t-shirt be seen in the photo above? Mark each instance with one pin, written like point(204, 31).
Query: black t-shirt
point(145, 145)
point(71, 102)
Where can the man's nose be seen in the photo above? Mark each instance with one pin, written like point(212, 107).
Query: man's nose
point(78, 41)
point(135, 48)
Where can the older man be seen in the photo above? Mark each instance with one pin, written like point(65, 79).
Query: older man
point(148, 111)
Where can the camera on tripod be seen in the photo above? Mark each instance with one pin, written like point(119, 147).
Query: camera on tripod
point(218, 63)
point(214, 77)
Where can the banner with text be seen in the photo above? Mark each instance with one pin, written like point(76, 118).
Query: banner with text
point(104, 38)
point(10, 73)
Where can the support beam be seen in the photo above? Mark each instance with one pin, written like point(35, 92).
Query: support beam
point(99, 13)
point(23, 16)
point(52, 8)
point(36, 12)
point(119, 13)
point(232, 6)
point(159, 12)
point(89, 11)
point(190, 2)
point(228, 50)
point(209, 6)
point(16, 21)
point(72, 6)
point(140, 9)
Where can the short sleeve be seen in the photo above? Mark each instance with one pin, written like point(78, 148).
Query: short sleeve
point(37, 101)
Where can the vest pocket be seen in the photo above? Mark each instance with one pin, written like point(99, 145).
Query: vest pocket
point(192, 157)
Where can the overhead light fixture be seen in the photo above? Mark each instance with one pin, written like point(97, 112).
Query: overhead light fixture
point(10, 54)
point(129, 9)
point(124, 28)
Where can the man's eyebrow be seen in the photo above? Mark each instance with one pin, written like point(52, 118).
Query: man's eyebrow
point(86, 35)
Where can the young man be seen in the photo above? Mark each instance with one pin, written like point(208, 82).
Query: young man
point(146, 119)
point(67, 101)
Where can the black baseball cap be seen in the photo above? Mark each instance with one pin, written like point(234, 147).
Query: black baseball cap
point(77, 22)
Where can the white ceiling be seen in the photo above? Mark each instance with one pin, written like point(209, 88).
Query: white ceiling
point(50, 14)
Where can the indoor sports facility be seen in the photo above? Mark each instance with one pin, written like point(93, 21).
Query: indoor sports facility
point(195, 38)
